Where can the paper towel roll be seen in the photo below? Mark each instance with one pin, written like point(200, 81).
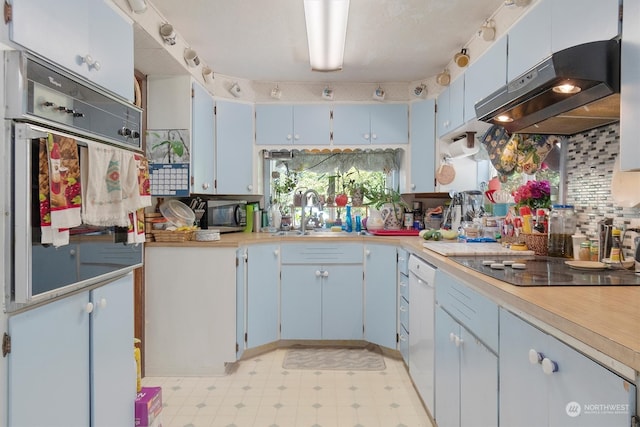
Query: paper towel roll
point(458, 149)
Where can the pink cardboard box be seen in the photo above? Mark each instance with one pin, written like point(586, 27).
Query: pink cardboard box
point(148, 405)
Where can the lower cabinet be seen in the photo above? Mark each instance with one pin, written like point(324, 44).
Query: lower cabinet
point(322, 292)
point(241, 290)
point(380, 276)
point(71, 360)
point(466, 377)
point(190, 297)
point(544, 382)
point(263, 273)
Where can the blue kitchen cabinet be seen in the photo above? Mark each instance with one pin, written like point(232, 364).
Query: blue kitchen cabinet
point(293, 124)
point(234, 148)
point(301, 302)
point(575, 22)
point(484, 76)
point(545, 382)
point(530, 39)
point(630, 89)
point(263, 273)
point(451, 107)
point(447, 372)
point(241, 290)
point(342, 302)
point(71, 361)
point(380, 273)
point(370, 124)
point(203, 141)
point(82, 29)
point(403, 304)
point(423, 151)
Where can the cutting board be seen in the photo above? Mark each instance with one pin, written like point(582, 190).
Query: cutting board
point(395, 232)
point(471, 249)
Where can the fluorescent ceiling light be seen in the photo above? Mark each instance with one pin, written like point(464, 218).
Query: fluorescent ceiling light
point(326, 32)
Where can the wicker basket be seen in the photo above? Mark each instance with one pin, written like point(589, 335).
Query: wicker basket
point(172, 236)
point(537, 242)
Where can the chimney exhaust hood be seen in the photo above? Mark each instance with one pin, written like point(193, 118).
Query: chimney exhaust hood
point(572, 91)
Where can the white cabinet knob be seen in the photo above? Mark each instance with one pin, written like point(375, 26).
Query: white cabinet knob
point(289, 137)
point(91, 63)
point(549, 366)
point(374, 136)
point(276, 252)
point(249, 187)
point(325, 274)
point(367, 252)
point(366, 136)
point(402, 337)
point(452, 337)
point(245, 256)
point(205, 185)
point(102, 303)
point(89, 307)
point(403, 285)
point(296, 137)
point(535, 357)
point(403, 308)
point(459, 341)
point(72, 252)
point(318, 273)
point(413, 186)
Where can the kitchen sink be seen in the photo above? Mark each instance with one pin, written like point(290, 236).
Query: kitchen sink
point(318, 232)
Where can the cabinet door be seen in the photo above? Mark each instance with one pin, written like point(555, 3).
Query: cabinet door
point(478, 383)
point(575, 22)
point(389, 124)
point(523, 386)
point(351, 125)
point(111, 44)
point(113, 385)
point(66, 43)
point(234, 144)
point(447, 371)
point(483, 77)
point(443, 118)
point(529, 39)
point(241, 283)
point(262, 294)
point(630, 89)
point(456, 103)
point(342, 302)
point(312, 124)
point(48, 367)
point(583, 383)
point(274, 124)
point(380, 295)
point(301, 302)
point(423, 153)
point(203, 141)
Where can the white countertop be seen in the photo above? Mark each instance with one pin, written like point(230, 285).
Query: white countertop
point(453, 248)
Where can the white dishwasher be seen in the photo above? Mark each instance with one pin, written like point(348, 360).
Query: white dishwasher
point(422, 277)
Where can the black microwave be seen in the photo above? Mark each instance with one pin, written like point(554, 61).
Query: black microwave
point(227, 215)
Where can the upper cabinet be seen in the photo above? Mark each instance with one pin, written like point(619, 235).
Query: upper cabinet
point(203, 145)
point(293, 124)
point(451, 107)
point(423, 150)
point(371, 124)
point(234, 148)
point(530, 39)
point(630, 89)
point(483, 77)
point(575, 22)
point(87, 37)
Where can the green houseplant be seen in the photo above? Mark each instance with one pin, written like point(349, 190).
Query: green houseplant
point(380, 198)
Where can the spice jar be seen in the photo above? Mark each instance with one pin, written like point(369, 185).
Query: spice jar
point(594, 249)
point(585, 251)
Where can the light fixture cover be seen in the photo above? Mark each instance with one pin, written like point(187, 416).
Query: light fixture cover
point(235, 90)
point(326, 32)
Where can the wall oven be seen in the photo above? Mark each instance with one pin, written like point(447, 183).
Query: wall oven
point(45, 105)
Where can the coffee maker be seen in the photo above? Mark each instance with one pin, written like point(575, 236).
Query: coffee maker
point(472, 205)
point(605, 228)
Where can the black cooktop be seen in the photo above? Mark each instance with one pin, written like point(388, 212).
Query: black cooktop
point(548, 271)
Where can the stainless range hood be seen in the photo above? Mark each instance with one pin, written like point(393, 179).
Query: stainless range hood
point(542, 101)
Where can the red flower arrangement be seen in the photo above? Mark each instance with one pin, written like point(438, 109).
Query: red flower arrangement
point(535, 194)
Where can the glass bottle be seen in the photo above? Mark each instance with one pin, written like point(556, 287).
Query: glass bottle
point(349, 221)
point(562, 225)
point(594, 250)
point(616, 246)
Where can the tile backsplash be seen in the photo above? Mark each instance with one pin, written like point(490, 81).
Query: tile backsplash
point(590, 162)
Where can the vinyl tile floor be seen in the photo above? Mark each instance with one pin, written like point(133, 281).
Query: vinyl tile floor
point(260, 392)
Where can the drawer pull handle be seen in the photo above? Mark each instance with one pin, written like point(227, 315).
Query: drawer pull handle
point(535, 357)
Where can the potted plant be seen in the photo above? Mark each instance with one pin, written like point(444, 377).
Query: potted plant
point(389, 203)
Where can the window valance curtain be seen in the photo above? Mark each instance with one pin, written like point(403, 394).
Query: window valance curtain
point(330, 161)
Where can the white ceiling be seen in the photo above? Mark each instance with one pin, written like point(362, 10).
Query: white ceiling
point(387, 40)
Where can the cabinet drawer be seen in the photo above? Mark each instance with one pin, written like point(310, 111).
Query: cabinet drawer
point(322, 253)
point(403, 344)
point(404, 313)
point(403, 262)
point(403, 284)
point(478, 314)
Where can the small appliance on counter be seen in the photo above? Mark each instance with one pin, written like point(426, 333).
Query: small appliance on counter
point(227, 215)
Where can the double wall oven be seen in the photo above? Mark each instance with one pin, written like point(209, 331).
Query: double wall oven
point(43, 101)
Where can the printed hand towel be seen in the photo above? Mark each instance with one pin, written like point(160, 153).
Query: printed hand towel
point(136, 230)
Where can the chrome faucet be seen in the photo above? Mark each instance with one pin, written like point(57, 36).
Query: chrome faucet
point(303, 222)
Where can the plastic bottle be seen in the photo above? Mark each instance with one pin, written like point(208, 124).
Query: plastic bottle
point(562, 225)
point(616, 246)
point(349, 221)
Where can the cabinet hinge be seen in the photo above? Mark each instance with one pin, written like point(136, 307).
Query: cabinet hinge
point(6, 344)
point(246, 337)
point(397, 338)
point(215, 110)
point(193, 93)
point(215, 184)
point(237, 347)
point(8, 12)
point(193, 180)
point(237, 262)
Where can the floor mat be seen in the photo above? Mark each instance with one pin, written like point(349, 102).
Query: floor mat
point(334, 358)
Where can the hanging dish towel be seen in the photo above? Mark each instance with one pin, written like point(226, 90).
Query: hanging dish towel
point(136, 231)
point(62, 198)
point(136, 184)
point(104, 204)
